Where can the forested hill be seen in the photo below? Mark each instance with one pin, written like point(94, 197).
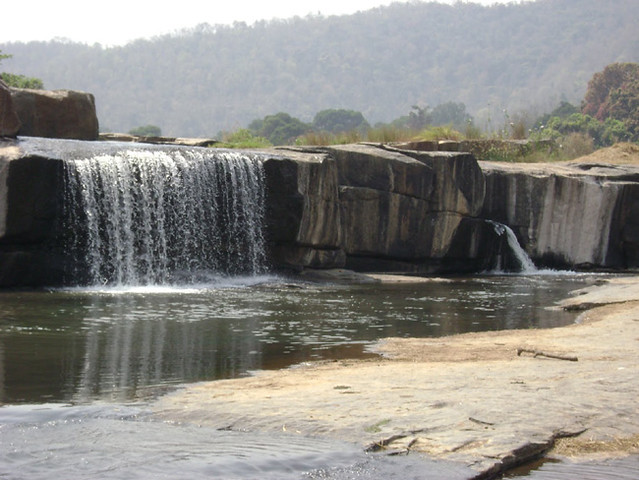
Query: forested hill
point(517, 57)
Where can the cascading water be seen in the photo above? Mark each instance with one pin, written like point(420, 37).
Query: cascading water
point(163, 216)
point(525, 263)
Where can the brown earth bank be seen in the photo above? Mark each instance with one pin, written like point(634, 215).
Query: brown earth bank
point(623, 153)
point(488, 400)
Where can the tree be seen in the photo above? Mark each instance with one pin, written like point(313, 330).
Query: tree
point(614, 94)
point(603, 134)
point(562, 111)
point(21, 81)
point(614, 78)
point(624, 106)
point(451, 113)
point(279, 129)
point(340, 120)
point(146, 131)
point(419, 117)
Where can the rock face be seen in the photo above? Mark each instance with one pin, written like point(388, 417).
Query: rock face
point(9, 122)
point(371, 208)
point(570, 215)
point(366, 208)
point(56, 114)
point(29, 190)
point(302, 211)
point(357, 206)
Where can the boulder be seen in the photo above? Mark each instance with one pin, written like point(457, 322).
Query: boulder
point(56, 114)
point(625, 234)
point(384, 224)
point(9, 122)
point(400, 210)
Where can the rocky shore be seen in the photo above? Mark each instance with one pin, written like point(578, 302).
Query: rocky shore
point(488, 401)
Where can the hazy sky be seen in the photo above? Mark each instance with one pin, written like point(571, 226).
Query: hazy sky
point(115, 22)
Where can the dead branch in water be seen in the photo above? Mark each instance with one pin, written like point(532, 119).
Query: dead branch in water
point(537, 353)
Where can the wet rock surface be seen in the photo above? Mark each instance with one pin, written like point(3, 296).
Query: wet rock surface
point(470, 399)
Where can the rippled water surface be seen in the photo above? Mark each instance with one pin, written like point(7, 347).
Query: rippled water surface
point(62, 441)
point(116, 344)
point(77, 366)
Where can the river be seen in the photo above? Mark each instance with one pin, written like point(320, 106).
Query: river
point(79, 366)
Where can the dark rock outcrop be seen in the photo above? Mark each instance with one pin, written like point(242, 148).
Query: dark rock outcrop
point(56, 114)
point(302, 211)
point(379, 209)
point(9, 122)
point(29, 194)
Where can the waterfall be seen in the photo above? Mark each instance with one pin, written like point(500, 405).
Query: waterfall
point(526, 265)
point(163, 216)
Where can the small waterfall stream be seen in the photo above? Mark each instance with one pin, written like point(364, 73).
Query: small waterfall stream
point(161, 216)
point(526, 265)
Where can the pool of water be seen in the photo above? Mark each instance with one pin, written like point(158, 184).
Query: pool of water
point(122, 344)
point(77, 367)
point(624, 468)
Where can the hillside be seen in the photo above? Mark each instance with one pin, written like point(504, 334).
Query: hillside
point(513, 58)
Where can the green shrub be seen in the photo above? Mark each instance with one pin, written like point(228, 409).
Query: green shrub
point(434, 134)
point(326, 138)
point(21, 81)
point(146, 131)
point(603, 134)
point(243, 138)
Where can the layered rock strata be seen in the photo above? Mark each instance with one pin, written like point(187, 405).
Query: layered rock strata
point(357, 206)
point(580, 215)
point(372, 208)
point(367, 208)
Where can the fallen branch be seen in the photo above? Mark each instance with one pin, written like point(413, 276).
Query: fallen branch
point(377, 446)
point(480, 422)
point(537, 353)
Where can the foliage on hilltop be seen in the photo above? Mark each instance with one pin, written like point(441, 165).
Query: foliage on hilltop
point(609, 111)
point(613, 94)
point(17, 80)
point(524, 56)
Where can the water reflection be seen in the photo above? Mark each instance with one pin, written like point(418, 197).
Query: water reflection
point(117, 345)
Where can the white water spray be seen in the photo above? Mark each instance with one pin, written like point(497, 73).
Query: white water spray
point(163, 216)
point(525, 262)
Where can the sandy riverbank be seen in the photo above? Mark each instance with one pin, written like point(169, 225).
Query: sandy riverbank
point(485, 400)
